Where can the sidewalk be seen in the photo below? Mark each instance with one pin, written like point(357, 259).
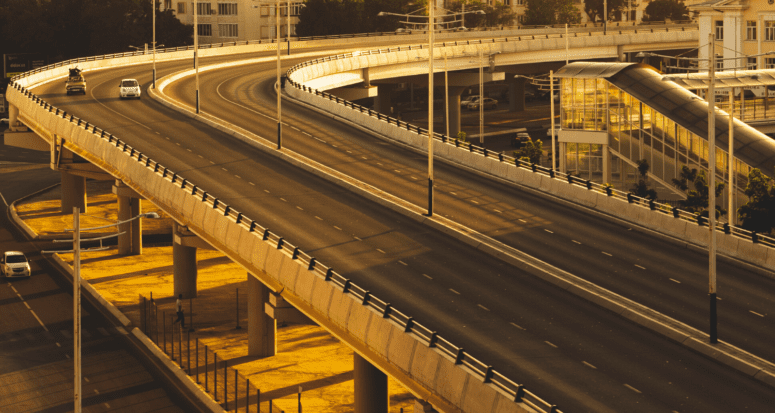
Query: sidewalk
point(307, 355)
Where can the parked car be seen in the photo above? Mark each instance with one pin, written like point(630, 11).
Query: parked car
point(468, 100)
point(487, 103)
point(129, 88)
point(14, 264)
point(75, 82)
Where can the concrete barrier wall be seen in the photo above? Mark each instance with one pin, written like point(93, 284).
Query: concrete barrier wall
point(427, 371)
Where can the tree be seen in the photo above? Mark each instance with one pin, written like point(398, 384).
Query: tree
point(550, 12)
point(660, 10)
point(641, 188)
point(594, 9)
point(698, 198)
point(758, 214)
point(496, 14)
point(530, 151)
point(687, 175)
point(64, 29)
point(332, 17)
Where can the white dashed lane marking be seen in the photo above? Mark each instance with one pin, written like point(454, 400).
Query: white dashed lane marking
point(428, 276)
point(754, 312)
point(548, 231)
point(642, 268)
point(675, 281)
point(483, 307)
point(550, 344)
point(454, 291)
point(523, 221)
point(299, 208)
point(606, 253)
point(631, 388)
point(402, 263)
point(589, 365)
point(517, 326)
point(576, 241)
point(319, 218)
point(283, 199)
point(380, 250)
point(337, 228)
point(252, 183)
point(225, 169)
point(237, 176)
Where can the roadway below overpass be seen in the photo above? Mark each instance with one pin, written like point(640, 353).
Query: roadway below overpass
point(566, 350)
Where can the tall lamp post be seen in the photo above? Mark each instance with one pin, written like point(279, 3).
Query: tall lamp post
point(712, 186)
point(196, 51)
point(77, 389)
point(279, 85)
point(153, 43)
point(431, 32)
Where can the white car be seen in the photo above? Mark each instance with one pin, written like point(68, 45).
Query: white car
point(469, 100)
point(129, 88)
point(14, 264)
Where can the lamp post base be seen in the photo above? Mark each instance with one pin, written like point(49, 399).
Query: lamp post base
point(713, 320)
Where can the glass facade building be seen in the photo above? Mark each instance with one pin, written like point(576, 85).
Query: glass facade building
point(629, 112)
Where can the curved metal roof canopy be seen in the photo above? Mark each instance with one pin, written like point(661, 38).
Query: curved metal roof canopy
point(681, 106)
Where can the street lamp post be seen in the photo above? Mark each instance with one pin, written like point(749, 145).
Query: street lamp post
point(279, 85)
point(153, 43)
point(712, 187)
point(77, 388)
point(196, 51)
point(431, 32)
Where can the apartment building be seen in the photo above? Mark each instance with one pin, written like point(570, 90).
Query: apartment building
point(237, 20)
point(744, 29)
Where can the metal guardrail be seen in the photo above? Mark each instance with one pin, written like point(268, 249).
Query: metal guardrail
point(423, 334)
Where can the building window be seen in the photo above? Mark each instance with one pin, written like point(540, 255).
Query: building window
point(750, 30)
point(227, 30)
point(227, 9)
point(769, 30)
point(296, 9)
point(719, 62)
point(769, 63)
point(204, 29)
point(751, 63)
point(204, 9)
point(181, 8)
point(167, 4)
point(719, 30)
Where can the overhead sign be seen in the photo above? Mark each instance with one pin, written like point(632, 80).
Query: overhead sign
point(18, 63)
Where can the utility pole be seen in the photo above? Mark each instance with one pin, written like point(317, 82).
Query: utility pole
point(712, 187)
point(77, 393)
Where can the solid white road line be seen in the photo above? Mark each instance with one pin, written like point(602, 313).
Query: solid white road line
point(642, 268)
point(550, 344)
point(631, 388)
point(454, 291)
point(589, 365)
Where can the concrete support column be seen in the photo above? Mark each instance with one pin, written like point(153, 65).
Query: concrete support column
point(606, 165)
point(73, 192)
point(621, 56)
point(421, 406)
point(262, 329)
point(371, 387)
point(454, 109)
point(184, 270)
point(384, 100)
point(516, 93)
point(13, 117)
point(136, 226)
point(562, 154)
point(124, 213)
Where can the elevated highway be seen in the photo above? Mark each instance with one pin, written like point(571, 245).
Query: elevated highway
point(509, 296)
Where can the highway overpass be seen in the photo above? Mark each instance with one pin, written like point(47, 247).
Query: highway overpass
point(380, 267)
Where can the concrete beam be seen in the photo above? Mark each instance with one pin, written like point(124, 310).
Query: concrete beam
point(281, 311)
point(354, 93)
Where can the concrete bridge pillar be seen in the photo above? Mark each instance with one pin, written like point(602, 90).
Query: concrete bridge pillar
point(516, 93)
point(13, 117)
point(184, 269)
point(73, 192)
point(131, 242)
point(454, 109)
point(421, 406)
point(384, 100)
point(371, 387)
point(262, 329)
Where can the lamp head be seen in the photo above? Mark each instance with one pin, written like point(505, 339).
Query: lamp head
point(382, 13)
point(150, 215)
point(480, 12)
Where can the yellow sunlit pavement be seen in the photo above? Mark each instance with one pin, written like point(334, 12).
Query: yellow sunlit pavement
point(307, 355)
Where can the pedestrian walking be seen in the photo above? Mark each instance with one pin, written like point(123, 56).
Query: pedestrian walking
point(179, 309)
